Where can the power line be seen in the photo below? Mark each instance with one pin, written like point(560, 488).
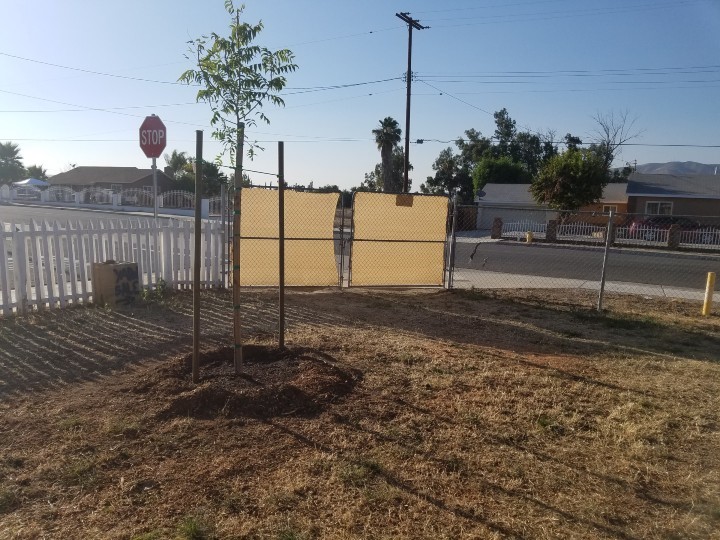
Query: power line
point(565, 14)
point(712, 67)
point(104, 109)
point(323, 40)
point(456, 98)
point(503, 5)
point(337, 86)
point(92, 72)
point(301, 89)
point(97, 109)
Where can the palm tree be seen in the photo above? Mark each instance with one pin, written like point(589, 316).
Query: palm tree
point(387, 137)
point(37, 171)
point(177, 161)
point(11, 167)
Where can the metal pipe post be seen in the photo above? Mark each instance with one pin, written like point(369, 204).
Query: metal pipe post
point(608, 239)
point(281, 244)
point(237, 330)
point(451, 258)
point(223, 237)
point(155, 204)
point(196, 255)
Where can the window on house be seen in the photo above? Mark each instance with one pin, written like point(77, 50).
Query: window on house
point(607, 208)
point(658, 208)
point(148, 189)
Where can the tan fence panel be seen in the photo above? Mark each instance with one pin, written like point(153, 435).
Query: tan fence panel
point(309, 246)
point(398, 239)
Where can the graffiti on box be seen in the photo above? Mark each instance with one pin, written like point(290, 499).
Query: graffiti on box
point(126, 285)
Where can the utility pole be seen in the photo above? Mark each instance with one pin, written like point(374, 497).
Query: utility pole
point(412, 23)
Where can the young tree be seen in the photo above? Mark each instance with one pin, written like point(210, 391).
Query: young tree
point(237, 79)
point(387, 137)
point(11, 167)
point(570, 180)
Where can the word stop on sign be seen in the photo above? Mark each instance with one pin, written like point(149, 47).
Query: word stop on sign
point(152, 136)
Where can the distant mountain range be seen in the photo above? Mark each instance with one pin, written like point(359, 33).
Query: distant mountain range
point(678, 167)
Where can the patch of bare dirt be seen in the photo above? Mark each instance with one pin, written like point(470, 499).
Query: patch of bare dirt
point(392, 414)
point(271, 382)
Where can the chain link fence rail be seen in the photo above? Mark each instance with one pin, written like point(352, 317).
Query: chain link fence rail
point(662, 256)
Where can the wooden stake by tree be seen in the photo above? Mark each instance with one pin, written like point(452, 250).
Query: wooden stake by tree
point(237, 78)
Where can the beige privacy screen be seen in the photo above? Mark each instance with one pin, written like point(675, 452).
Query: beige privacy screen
point(398, 239)
point(309, 244)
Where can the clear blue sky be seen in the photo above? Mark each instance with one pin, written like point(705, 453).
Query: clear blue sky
point(552, 63)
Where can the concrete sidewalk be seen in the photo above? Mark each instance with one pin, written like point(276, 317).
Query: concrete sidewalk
point(464, 278)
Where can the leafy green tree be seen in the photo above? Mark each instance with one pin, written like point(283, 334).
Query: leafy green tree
point(237, 78)
point(450, 175)
point(532, 150)
point(387, 137)
point(499, 170)
point(505, 132)
point(570, 180)
point(472, 148)
point(572, 142)
point(213, 178)
point(37, 171)
point(11, 167)
point(371, 181)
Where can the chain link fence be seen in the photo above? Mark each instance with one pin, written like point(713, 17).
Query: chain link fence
point(659, 256)
point(391, 240)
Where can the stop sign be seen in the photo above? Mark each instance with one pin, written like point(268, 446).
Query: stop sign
point(153, 136)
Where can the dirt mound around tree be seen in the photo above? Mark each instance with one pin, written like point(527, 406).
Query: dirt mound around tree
point(271, 383)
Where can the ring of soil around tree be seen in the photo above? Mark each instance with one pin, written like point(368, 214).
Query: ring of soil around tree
point(271, 383)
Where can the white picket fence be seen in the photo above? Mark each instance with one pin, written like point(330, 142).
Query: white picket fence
point(48, 265)
point(520, 228)
point(581, 231)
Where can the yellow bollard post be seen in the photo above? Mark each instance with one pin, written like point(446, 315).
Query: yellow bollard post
point(709, 290)
point(529, 237)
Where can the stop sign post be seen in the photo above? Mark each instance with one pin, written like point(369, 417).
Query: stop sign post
point(153, 138)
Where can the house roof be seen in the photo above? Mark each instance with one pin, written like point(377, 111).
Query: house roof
point(674, 185)
point(615, 193)
point(87, 176)
point(519, 194)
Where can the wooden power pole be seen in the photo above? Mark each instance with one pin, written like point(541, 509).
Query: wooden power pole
point(412, 23)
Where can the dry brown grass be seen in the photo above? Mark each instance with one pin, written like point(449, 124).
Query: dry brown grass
point(414, 414)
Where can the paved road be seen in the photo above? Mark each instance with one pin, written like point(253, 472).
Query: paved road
point(585, 263)
point(25, 214)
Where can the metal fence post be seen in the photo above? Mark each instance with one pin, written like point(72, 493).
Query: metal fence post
point(223, 234)
point(608, 241)
point(451, 257)
point(342, 240)
point(281, 245)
